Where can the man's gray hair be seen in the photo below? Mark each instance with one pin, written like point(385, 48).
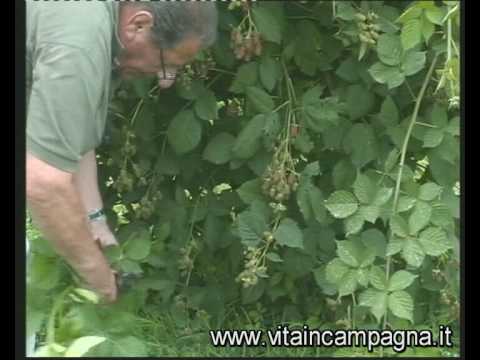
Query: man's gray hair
point(175, 21)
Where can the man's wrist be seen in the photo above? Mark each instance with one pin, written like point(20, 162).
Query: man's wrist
point(96, 215)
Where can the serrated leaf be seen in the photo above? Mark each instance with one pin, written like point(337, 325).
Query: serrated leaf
point(429, 191)
point(359, 101)
point(389, 115)
point(250, 191)
point(341, 204)
point(401, 280)
point(420, 217)
point(377, 278)
point(260, 99)
point(246, 76)
point(361, 144)
point(364, 189)
point(389, 49)
point(218, 150)
point(130, 346)
point(394, 246)
point(376, 301)
point(248, 141)
point(411, 33)
point(335, 270)
point(413, 253)
point(206, 106)
point(434, 241)
point(348, 284)
point(413, 62)
point(289, 234)
point(348, 70)
point(343, 174)
point(251, 226)
point(400, 304)
point(184, 132)
point(322, 114)
point(45, 272)
point(362, 277)
point(370, 213)
point(435, 15)
point(374, 242)
point(274, 257)
point(439, 116)
point(268, 72)
point(427, 29)
point(82, 345)
point(320, 276)
point(345, 11)
point(354, 223)
point(405, 203)
point(399, 226)
point(350, 252)
point(384, 74)
point(382, 196)
point(138, 245)
point(267, 23)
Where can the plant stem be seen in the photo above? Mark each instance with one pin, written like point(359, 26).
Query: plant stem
point(402, 158)
point(57, 306)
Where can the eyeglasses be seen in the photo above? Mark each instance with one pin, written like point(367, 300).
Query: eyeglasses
point(164, 72)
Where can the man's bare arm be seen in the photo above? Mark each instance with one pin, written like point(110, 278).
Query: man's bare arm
point(58, 211)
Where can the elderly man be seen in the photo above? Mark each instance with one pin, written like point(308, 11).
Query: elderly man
point(73, 51)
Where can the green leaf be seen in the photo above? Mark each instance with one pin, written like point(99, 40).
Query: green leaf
point(405, 203)
point(394, 246)
point(45, 272)
point(360, 101)
point(335, 271)
point(184, 132)
point(341, 204)
point(382, 196)
point(362, 277)
point(411, 33)
point(274, 257)
point(348, 284)
point(376, 301)
point(389, 115)
point(82, 345)
point(138, 245)
point(390, 75)
point(248, 142)
point(429, 191)
point(269, 73)
point(289, 234)
point(250, 191)
point(374, 241)
point(389, 49)
point(130, 346)
point(345, 11)
point(433, 138)
point(350, 252)
point(354, 223)
point(322, 114)
point(427, 29)
point(348, 70)
point(420, 217)
point(370, 213)
point(206, 106)
point(167, 165)
point(343, 174)
point(320, 276)
point(360, 142)
point(399, 226)
point(130, 266)
point(439, 116)
point(267, 23)
point(251, 226)
point(413, 253)
point(400, 304)
point(364, 189)
point(246, 76)
point(219, 149)
point(87, 295)
point(260, 99)
point(413, 12)
point(401, 280)
point(413, 62)
point(435, 15)
point(434, 241)
point(377, 278)
point(191, 92)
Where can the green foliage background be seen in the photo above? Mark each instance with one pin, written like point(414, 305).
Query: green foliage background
point(363, 131)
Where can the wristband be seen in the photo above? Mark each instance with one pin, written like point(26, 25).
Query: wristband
point(96, 215)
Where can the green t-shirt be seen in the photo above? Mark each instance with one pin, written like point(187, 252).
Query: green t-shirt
point(69, 71)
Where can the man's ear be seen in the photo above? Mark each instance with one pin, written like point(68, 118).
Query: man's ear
point(141, 20)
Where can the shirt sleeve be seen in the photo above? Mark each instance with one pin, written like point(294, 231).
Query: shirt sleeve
point(62, 115)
